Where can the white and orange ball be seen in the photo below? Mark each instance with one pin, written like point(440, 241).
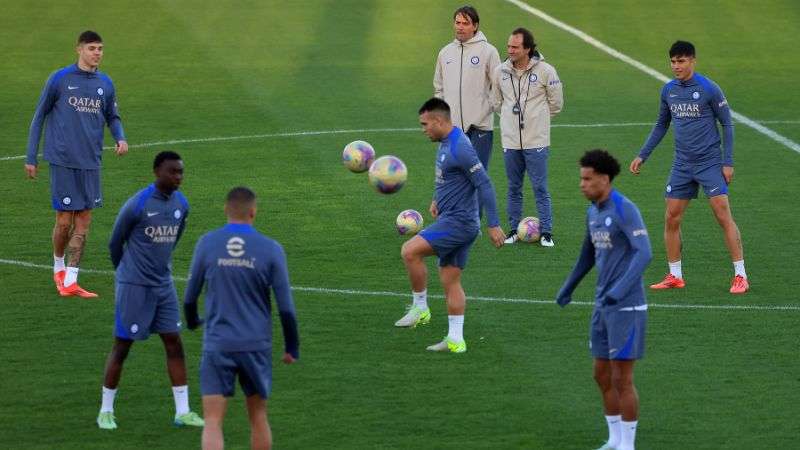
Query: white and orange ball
point(528, 230)
point(409, 222)
point(388, 174)
point(358, 156)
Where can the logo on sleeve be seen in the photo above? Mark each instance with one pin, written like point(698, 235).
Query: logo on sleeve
point(724, 102)
point(640, 232)
point(476, 168)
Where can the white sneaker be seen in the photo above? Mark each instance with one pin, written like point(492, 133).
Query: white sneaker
point(414, 317)
point(547, 240)
point(448, 345)
point(511, 239)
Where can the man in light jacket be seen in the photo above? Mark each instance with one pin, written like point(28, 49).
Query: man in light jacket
point(463, 80)
point(527, 93)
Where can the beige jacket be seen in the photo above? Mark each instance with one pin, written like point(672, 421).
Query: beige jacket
point(540, 98)
point(463, 79)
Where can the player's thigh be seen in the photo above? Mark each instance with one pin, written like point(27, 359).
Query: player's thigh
point(536, 166)
point(217, 373)
point(257, 409)
point(598, 335)
point(626, 333)
point(418, 246)
point(166, 318)
point(681, 183)
point(453, 249)
point(710, 177)
point(255, 372)
point(214, 407)
point(514, 161)
point(720, 206)
point(134, 310)
point(450, 275)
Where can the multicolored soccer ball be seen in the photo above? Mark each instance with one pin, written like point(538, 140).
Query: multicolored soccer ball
point(388, 174)
point(409, 222)
point(358, 156)
point(528, 230)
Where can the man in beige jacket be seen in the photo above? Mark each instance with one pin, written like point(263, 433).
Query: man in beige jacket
point(527, 93)
point(463, 80)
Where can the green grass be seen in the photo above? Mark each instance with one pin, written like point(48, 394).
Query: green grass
point(712, 378)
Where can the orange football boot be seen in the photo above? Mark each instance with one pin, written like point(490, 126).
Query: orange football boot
point(669, 282)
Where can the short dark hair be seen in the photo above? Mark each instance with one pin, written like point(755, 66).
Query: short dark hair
point(601, 161)
point(468, 11)
point(239, 200)
point(89, 36)
point(435, 105)
point(165, 156)
point(681, 48)
point(527, 40)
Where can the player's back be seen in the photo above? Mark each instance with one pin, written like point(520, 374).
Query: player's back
point(241, 265)
point(456, 196)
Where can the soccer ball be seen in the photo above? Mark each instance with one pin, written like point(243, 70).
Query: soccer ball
point(387, 174)
point(409, 222)
point(528, 229)
point(358, 156)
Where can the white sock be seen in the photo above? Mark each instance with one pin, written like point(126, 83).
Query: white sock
point(738, 268)
point(181, 395)
point(614, 430)
point(421, 299)
point(628, 435)
point(456, 328)
point(72, 276)
point(108, 400)
point(58, 264)
point(675, 269)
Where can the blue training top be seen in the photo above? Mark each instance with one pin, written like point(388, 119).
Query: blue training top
point(695, 105)
point(74, 107)
point(239, 267)
point(460, 178)
point(617, 242)
point(146, 231)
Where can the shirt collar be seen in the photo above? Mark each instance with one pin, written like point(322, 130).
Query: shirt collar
point(239, 228)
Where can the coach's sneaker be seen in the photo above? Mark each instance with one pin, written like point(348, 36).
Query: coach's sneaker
point(415, 316)
point(547, 240)
point(739, 285)
point(669, 282)
point(58, 277)
point(105, 420)
point(449, 345)
point(190, 419)
point(74, 289)
point(511, 238)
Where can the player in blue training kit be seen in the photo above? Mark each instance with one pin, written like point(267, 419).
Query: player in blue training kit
point(146, 232)
point(460, 181)
point(239, 267)
point(617, 243)
point(75, 105)
point(695, 104)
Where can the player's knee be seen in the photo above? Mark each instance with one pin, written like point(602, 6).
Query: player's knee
point(407, 252)
point(603, 379)
point(621, 382)
point(82, 222)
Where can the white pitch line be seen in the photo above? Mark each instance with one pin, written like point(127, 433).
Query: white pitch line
point(367, 130)
point(647, 69)
point(334, 291)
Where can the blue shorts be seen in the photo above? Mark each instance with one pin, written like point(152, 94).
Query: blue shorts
point(218, 371)
point(684, 181)
point(618, 334)
point(141, 310)
point(75, 189)
point(450, 241)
